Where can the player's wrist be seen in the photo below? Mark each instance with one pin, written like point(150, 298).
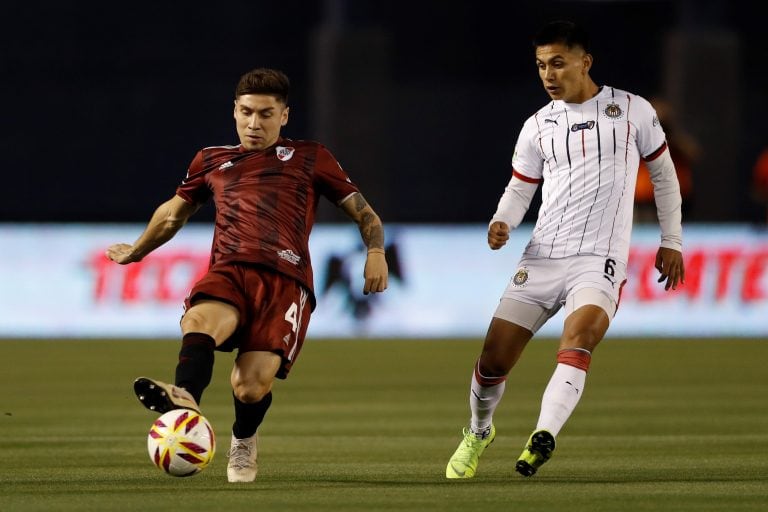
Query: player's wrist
point(375, 250)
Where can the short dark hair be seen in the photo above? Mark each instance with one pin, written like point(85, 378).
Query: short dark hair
point(564, 32)
point(264, 81)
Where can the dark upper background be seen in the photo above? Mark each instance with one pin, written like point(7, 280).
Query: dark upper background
point(104, 105)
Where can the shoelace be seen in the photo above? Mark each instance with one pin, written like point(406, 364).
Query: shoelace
point(470, 441)
point(240, 455)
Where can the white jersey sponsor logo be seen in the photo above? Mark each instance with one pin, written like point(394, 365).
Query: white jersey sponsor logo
point(289, 256)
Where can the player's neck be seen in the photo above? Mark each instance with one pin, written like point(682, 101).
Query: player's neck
point(589, 91)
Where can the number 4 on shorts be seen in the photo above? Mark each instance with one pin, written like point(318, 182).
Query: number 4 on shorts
point(290, 316)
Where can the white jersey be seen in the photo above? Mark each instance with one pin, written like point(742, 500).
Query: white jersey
point(587, 156)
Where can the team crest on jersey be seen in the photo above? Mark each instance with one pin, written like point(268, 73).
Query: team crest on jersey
point(284, 153)
point(613, 111)
point(521, 277)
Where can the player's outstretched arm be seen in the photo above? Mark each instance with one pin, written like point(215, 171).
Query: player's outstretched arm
point(670, 263)
point(372, 232)
point(167, 220)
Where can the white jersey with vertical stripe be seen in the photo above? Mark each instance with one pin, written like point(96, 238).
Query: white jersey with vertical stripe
point(587, 156)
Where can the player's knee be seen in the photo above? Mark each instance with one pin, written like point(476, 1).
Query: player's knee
point(193, 321)
point(251, 392)
point(586, 339)
point(492, 367)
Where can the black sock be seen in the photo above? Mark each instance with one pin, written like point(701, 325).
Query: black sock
point(195, 367)
point(248, 417)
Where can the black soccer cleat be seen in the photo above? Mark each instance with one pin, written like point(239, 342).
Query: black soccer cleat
point(537, 451)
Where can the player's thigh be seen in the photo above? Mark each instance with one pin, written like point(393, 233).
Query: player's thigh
point(213, 317)
point(524, 314)
point(540, 282)
point(594, 290)
point(595, 280)
point(253, 375)
point(586, 326)
point(280, 316)
point(216, 304)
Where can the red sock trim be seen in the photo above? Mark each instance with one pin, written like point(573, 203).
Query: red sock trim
point(574, 357)
point(487, 381)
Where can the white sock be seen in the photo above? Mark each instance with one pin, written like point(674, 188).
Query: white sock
point(560, 397)
point(482, 402)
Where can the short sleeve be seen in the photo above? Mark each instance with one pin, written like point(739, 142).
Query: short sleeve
point(650, 134)
point(527, 159)
point(194, 188)
point(330, 179)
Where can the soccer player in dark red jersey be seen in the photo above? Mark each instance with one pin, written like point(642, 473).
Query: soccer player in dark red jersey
point(258, 292)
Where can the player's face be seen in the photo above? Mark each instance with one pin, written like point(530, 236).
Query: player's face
point(259, 118)
point(564, 72)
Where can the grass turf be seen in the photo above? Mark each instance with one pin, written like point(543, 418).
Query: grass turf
point(369, 425)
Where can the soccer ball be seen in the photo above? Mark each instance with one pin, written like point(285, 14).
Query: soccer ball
point(181, 442)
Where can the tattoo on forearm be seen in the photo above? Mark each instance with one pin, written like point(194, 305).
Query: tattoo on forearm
point(359, 202)
point(372, 231)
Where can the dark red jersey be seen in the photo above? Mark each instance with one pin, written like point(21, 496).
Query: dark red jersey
point(266, 201)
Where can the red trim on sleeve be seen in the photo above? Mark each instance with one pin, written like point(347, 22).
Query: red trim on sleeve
point(657, 153)
point(525, 178)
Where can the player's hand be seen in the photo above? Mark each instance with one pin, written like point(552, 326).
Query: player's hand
point(122, 254)
point(670, 263)
point(376, 272)
point(498, 234)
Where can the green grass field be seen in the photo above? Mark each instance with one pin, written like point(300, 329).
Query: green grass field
point(369, 425)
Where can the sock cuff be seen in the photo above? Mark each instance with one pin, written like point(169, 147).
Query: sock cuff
point(576, 357)
point(198, 338)
point(266, 400)
point(487, 381)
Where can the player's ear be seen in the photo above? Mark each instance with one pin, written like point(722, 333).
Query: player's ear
point(587, 63)
point(284, 116)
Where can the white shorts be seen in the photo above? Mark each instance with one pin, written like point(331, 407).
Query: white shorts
point(541, 286)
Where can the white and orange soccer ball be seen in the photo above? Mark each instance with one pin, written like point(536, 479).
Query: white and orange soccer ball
point(181, 442)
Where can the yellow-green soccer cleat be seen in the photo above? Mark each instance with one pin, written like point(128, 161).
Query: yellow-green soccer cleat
point(537, 451)
point(463, 463)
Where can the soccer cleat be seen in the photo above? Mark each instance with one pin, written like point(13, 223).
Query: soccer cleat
point(242, 455)
point(161, 397)
point(537, 451)
point(464, 460)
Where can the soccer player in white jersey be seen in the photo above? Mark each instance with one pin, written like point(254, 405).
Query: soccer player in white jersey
point(584, 148)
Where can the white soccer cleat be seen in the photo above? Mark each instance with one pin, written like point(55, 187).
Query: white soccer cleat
point(242, 455)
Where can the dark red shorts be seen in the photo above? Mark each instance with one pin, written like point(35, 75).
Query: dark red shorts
point(274, 309)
